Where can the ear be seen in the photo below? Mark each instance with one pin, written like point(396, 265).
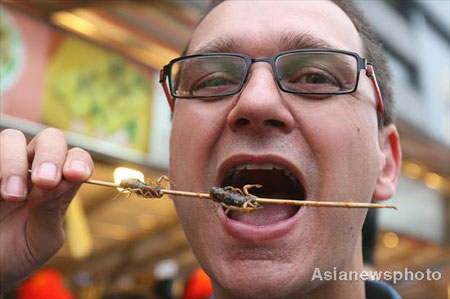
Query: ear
point(390, 163)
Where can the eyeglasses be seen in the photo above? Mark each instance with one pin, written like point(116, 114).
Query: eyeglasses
point(305, 72)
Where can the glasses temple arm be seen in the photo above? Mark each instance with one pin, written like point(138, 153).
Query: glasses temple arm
point(370, 72)
point(162, 80)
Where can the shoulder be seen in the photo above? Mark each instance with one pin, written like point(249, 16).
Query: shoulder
point(379, 289)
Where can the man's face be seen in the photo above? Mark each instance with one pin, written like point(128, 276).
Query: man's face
point(329, 145)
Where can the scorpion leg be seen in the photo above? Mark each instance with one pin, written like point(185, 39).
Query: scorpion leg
point(126, 190)
point(118, 194)
point(233, 189)
point(129, 192)
point(244, 206)
point(165, 178)
point(252, 204)
point(227, 208)
point(249, 207)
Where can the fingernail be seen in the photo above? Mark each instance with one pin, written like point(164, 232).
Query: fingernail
point(47, 171)
point(14, 186)
point(78, 166)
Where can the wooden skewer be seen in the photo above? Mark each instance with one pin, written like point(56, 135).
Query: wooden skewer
point(308, 203)
point(186, 193)
point(102, 183)
point(330, 204)
point(268, 200)
point(261, 200)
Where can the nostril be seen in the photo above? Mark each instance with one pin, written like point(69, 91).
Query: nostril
point(242, 122)
point(274, 123)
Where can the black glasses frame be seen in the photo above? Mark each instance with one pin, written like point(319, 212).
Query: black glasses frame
point(362, 64)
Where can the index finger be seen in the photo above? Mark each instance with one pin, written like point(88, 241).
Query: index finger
point(49, 149)
point(13, 165)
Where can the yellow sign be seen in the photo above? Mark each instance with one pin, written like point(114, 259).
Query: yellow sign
point(91, 91)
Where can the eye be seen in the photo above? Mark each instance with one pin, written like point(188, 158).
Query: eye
point(312, 76)
point(313, 80)
point(214, 84)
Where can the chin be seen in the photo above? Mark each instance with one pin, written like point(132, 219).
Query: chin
point(273, 277)
point(261, 282)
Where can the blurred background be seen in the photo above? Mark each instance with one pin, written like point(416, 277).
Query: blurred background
point(91, 68)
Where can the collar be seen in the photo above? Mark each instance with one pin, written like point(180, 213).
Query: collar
point(376, 289)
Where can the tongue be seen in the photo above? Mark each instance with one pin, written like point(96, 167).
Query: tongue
point(275, 185)
point(270, 213)
point(267, 215)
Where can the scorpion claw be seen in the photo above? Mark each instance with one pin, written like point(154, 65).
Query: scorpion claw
point(246, 187)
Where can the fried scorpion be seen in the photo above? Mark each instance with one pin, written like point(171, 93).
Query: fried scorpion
point(232, 198)
point(150, 190)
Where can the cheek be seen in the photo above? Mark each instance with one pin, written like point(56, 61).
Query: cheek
point(195, 128)
point(343, 137)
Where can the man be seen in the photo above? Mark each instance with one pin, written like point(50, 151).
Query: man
point(305, 120)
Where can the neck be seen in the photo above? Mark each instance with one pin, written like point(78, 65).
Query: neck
point(340, 288)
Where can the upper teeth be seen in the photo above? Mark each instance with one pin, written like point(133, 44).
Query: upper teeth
point(266, 166)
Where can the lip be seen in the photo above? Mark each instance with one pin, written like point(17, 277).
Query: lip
point(257, 233)
point(252, 233)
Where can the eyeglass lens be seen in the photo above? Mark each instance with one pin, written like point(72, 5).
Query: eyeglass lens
point(317, 72)
point(208, 75)
point(320, 72)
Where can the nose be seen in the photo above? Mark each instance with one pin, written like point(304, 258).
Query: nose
point(260, 105)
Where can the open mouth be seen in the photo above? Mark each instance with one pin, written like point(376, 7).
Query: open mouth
point(278, 183)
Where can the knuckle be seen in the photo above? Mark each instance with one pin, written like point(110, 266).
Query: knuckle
point(14, 161)
point(81, 153)
point(53, 133)
point(13, 165)
point(50, 144)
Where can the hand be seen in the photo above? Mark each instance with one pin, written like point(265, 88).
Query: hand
point(32, 210)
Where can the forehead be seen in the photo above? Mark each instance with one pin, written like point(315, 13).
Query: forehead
point(262, 28)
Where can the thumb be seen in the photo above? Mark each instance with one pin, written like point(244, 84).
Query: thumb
point(46, 211)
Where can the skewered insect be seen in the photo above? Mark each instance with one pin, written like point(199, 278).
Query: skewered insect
point(150, 190)
point(232, 198)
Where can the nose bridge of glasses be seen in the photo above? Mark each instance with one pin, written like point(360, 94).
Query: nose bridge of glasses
point(264, 59)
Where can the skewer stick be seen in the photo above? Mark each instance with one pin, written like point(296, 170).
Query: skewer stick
point(165, 191)
point(186, 193)
point(258, 199)
point(307, 203)
point(290, 201)
point(102, 183)
point(266, 200)
point(331, 204)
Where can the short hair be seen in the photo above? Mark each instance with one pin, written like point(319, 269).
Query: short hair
point(373, 52)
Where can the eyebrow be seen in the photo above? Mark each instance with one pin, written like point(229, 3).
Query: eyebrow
point(293, 41)
point(286, 42)
point(227, 44)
